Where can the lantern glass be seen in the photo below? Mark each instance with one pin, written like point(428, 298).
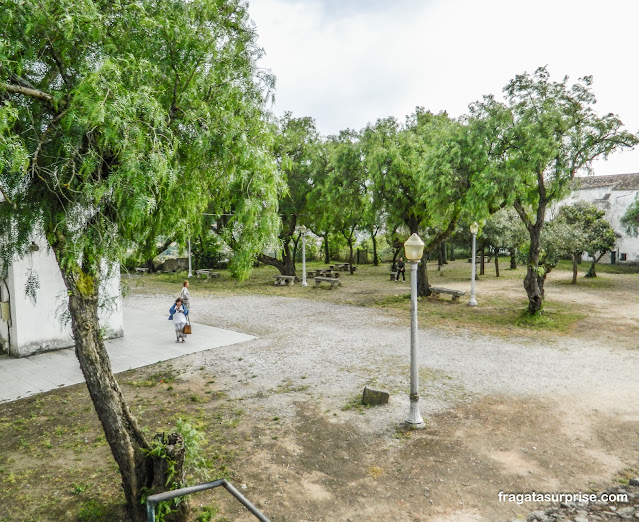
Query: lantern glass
point(474, 228)
point(414, 247)
point(303, 230)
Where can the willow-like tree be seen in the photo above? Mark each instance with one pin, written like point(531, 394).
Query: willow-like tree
point(431, 173)
point(120, 120)
point(295, 150)
point(550, 132)
point(345, 195)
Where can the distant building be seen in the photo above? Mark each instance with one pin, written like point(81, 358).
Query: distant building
point(34, 321)
point(613, 194)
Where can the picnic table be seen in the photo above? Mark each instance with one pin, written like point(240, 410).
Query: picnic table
point(323, 273)
point(284, 280)
point(344, 267)
point(141, 269)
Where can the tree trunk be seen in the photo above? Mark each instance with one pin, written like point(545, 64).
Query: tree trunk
point(482, 264)
point(452, 253)
point(375, 259)
point(395, 254)
point(442, 253)
point(327, 254)
point(128, 444)
point(496, 262)
point(592, 271)
point(350, 255)
point(575, 262)
point(513, 259)
point(286, 265)
point(423, 288)
point(533, 282)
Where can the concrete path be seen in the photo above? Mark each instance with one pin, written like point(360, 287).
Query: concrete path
point(147, 339)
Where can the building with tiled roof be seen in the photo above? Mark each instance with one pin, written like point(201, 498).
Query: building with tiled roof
point(614, 194)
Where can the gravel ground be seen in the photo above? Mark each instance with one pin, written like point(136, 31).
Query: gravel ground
point(329, 352)
point(339, 348)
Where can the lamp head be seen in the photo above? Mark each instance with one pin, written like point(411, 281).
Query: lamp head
point(474, 228)
point(302, 230)
point(414, 248)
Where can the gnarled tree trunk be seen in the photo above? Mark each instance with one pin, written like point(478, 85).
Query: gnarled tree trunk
point(327, 253)
point(128, 444)
point(534, 282)
point(592, 272)
point(286, 265)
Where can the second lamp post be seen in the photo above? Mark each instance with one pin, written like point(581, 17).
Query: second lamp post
point(413, 248)
point(474, 228)
point(303, 233)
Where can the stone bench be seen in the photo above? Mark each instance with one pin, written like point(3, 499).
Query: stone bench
point(332, 280)
point(141, 269)
point(284, 280)
point(455, 294)
point(207, 272)
point(393, 276)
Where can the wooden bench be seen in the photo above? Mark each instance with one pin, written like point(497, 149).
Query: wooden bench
point(455, 294)
point(208, 273)
point(141, 269)
point(284, 280)
point(332, 280)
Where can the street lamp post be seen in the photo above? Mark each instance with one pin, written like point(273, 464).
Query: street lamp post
point(474, 228)
point(303, 232)
point(413, 248)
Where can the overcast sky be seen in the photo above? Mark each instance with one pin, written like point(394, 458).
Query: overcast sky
point(349, 62)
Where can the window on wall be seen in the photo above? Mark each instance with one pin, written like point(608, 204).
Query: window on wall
point(622, 256)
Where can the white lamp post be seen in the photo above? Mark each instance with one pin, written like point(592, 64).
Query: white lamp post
point(190, 273)
point(303, 232)
point(474, 228)
point(413, 248)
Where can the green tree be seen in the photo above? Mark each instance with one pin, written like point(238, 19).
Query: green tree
point(296, 149)
point(431, 173)
point(630, 220)
point(318, 216)
point(549, 133)
point(119, 121)
point(598, 235)
point(504, 230)
point(345, 193)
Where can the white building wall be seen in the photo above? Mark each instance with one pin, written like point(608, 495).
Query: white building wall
point(41, 326)
point(615, 207)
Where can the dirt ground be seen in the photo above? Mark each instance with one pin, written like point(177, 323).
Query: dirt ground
point(507, 412)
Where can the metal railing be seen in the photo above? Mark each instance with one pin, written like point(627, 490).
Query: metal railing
point(153, 500)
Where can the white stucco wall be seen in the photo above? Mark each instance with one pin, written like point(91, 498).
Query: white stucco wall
point(39, 326)
point(615, 207)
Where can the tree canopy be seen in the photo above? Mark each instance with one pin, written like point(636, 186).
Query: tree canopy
point(548, 132)
point(120, 120)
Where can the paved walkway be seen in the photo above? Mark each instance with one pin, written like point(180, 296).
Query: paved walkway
point(147, 339)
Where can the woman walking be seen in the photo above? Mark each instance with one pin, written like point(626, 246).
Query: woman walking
point(179, 314)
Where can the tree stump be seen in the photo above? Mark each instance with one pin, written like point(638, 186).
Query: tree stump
point(167, 459)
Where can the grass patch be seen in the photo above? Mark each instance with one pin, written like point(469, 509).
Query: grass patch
point(355, 404)
point(288, 386)
point(550, 319)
